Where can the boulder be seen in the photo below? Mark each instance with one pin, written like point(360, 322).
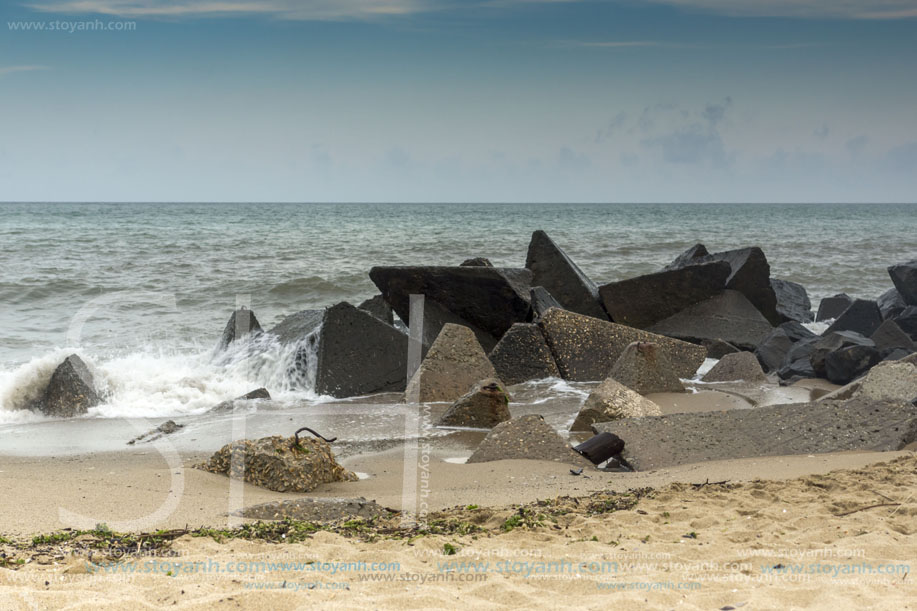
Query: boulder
point(798, 360)
point(739, 366)
point(792, 301)
point(378, 308)
point(729, 316)
point(904, 276)
point(863, 317)
point(835, 341)
point(779, 430)
point(555, 271)
point(542, 301)
point(751, 276)
point(644, 369)
point(907, 321)
point(640, 302)
point(279, 463)
point(796, 331)
point(832, 307)
point(477, 262)
point(257, 394)
point(846, 364)
point(344, 351)
point(890, 303)
point(528, 437)
point(585, 348)
point(71, 390)
point(491, 299)
point(890, 336)
point(611, 400)
point(717, 348)
point(454, 363)
point(688, 257)
point(771, 352)
point(522, 355)
point(485, 406)
point(889, 381)
point(241, 323)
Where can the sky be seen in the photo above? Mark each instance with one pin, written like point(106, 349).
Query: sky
point(455, 101)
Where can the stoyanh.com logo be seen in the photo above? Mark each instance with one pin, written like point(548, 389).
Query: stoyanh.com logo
point(71, 27)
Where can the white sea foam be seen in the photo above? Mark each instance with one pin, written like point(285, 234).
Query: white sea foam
point(818, 327)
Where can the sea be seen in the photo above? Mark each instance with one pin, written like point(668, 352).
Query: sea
point(142, 291)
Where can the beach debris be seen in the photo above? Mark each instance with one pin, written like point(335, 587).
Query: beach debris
point(611, 400)
point(488, 298)
point(832, 307)
point(378, 308)
point(257, 394)
point(778, 430)
point(528, 437)
point(586, 348)
point(477, 262)
point(601, 447)
point(166, 428)
point(904, 277)
point(557, 273)
point(355, 353)
point(71, 390)
point(891, 380)
point(738, 366)
point(890, 336)
point(321, 511)
point(576, 471)
point(643, 368)
point(729, 316)
point(645, 300)
point(485, 406)
point(890, 303)
point(523, 354)
point(319, 435)
point(862, 316)
point(792, 301)
point(542, 301)
point(454, 363)
point(241, 323)
point(283, 464)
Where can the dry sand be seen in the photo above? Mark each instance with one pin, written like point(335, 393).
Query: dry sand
point(646, 557)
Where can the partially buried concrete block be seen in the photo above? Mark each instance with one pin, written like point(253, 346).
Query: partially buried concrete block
point(528, 437)
point(645, 369)
point(483, 407)
point(611, 400)
point(522, 355)
point(738, 366)
point(454, 363)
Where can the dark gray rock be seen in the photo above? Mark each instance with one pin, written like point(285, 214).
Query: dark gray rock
point(832, 307)
point(491, 299)
point(895, 381)
point(640, 302)
point(846, 364)
point(644, 368)
point(730, 317)
point(523, 354)
point(904, 276)
point(863, 317)
point(71, 391)
point(717, 348)
point(556, 272)
point(780, 430)
point(585, 348)
point(477, 262)
point(771, 352)
point(796, 331)
point(688, 257)
point(890, 303)
point(295, 327)
point(485, 406)
point(796, 369)
point(437, 316)
point(792, 301)
point(542, 301)
point(257, 394)
point(378, 308)
point(241, 323)
point(528, 437)
point(890, 336)
point(835, 341)
point(166, 428)
point(907, 321)
point(896, 354)
point(739, 366)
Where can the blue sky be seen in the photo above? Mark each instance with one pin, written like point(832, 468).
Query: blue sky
point(437, 100)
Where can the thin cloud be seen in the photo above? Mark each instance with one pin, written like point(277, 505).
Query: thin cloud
point(4, 70)
point(805, 9)
point(308, 10)
point(611, 44)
